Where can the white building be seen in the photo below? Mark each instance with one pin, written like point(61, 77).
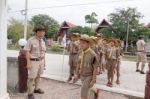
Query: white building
point(3, 50)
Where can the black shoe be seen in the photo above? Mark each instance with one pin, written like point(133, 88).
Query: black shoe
point(69, 79)
point(137, 70)
point(142, 72)
point(39, 91)
point(97, 94)
point(30, 96)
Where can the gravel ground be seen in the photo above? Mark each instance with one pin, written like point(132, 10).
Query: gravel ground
point(59, 90)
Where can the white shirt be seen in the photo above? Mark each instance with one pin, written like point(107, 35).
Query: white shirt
point(140, 45)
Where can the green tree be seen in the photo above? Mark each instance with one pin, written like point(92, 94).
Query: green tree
point(77, 29)
point(108, 32)
point(143, 31)
point(88, 31)
point(124, 18)
point(16, 30)
point(82, 30)
point(52, 30)
point(91, 19)
point(47, 21)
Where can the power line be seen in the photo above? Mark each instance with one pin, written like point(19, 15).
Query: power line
point(71, 5)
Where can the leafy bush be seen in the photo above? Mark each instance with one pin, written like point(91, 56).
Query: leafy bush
point(56, 48)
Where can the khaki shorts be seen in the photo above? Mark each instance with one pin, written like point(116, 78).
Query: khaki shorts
point(37, 69)
point(73, 60)
point(85, 85)
point(141, 57)
point(111, 64)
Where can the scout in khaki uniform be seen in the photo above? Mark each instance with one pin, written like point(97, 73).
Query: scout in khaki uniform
point(94, 47)
point(35, 55)
point(100, 52)
point(88, 69)
point(112, 57)
point(141, 54)
point(120, 53)
point(103, 51)
point(73, 50)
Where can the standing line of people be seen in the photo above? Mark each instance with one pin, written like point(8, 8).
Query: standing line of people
point(88, 58)
point(92, 56)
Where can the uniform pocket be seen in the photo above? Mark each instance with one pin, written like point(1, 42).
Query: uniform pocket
point(35, 47)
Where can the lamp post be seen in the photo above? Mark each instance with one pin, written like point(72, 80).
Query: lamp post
point(127, 36)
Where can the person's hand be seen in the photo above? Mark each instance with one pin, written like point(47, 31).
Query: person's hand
point(44, 66)
point(149, 64)
point(29, 66)
point(145, 52)
point(92, 83)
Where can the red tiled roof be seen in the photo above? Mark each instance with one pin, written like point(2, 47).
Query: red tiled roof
point(70, 24)
point(148, 25)
point(103, 24)
point(65, 25)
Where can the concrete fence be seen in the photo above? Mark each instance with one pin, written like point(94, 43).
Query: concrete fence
point(12, 74)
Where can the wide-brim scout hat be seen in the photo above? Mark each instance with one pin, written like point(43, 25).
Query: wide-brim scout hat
point(75, 35)
point(114, 41)
point(105, 39)
point(78, 35)
point(141, 36)
point(94, 39)
point(86, 38)
point(99, 35)
point(39, 28)
point(118, 41)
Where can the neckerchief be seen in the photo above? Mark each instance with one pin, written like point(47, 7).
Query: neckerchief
point(82, 56)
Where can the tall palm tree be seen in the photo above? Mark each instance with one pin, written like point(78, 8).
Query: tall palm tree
point(91, 19)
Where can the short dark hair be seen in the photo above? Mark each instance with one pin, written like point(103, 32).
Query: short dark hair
point(141, 37)
point(39, 28)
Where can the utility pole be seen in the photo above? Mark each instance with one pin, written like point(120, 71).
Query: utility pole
point(128, 26)
point(26, 19)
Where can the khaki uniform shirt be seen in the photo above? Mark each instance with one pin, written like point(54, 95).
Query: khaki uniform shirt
point(112, 53)
point(36, 47)
point(140, 45)
point(73, 48)
point(89, 62)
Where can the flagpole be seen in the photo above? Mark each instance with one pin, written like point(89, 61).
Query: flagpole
point(64, 45)
point(63, 63)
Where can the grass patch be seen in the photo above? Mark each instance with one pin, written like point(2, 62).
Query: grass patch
point(131, 58)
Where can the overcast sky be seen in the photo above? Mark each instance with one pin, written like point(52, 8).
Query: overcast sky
point(75, 14)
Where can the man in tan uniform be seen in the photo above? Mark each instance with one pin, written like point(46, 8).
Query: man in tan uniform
point(141, 54)
point(35, 55)
point(73, 50)
point(88, 69)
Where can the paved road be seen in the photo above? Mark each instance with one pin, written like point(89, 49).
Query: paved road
point(130, 80)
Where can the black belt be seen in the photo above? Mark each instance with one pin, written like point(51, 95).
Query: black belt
point(34, 59)
point(140, 51)
point(73, 53)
